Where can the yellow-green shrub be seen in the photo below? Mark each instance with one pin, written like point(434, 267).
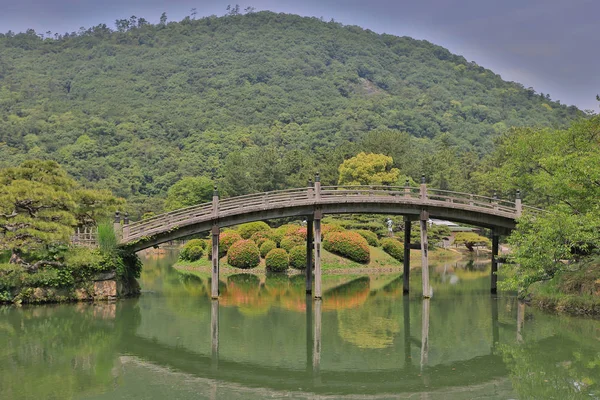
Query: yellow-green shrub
point(243, 254)
point(348, 244)
point(266, 247)
point(277, 260)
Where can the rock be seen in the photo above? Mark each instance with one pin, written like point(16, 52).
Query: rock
point(105, 290)
point(105, 276)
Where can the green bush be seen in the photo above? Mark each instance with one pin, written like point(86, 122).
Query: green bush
point(193, 250)
point(393, 247)
point(266, 247)
point(327, 228)
point(288, 242)
point(277, 260)
point(298, 257)
point(348, 244)
point(107, 239)
point(247, 230)
point(243, 254)
point(226, 240)
point(261, 237)
point(371, 237)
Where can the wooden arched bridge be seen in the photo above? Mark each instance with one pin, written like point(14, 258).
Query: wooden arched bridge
point(312, 202)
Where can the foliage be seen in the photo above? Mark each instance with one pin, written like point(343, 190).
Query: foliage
point(247, 230)
point(557, 169)
point(298, 257)
point(393, 247)
point(226, 240)
point(118, 111)
point(261, 237)
point(327, 228)
point(368, 169)
point(266, 247)
point(189, 191)
point(435, 234)
point(193, 250)
point(371, 237)
point(243, 254)
point(277, 260)
point(107, 239)
point(288, 242)
point(348, 244)
point(471, 239)
point(38, 208)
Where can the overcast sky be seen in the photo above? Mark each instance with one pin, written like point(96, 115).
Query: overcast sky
point(551, 45)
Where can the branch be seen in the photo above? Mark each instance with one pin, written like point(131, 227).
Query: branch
point(7, 216)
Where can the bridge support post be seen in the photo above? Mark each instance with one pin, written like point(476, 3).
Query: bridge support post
point(214, 284)
point(406, 275)
point(309, 254)
point(317, 224)
point(494, 276)
point(117, 226)
point(519, 204)
point(424, 255)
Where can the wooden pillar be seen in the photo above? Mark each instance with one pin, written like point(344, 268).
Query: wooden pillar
point(317, 224)
point(427, 292)
point(317, 338)
point(494, 273)
point(214, 331)
point(406, 277)
point(309, 254)
point(215, 262)
point(519, 204)
point(117, 226)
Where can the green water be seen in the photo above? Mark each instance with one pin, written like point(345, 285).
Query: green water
point(363, 340)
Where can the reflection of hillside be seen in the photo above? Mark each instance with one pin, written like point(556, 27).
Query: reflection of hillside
point(368, 327)
point(348, 295)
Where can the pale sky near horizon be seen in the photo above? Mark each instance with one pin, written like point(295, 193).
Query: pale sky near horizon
point(550, 45)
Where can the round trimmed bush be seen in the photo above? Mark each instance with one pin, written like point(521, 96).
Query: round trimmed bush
point(277, 260)
point(266, 247)
point(394, 248)
point(283, 231)
point(371, 237)
point(327, 228)
point(187, 254)
point(226, 240)
point(348, 244)
point(260, 237)
point(243, 254)
point(247, 230)
point(298, 257)
point(289, 242)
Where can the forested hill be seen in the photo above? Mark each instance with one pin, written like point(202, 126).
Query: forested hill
point(136, 108)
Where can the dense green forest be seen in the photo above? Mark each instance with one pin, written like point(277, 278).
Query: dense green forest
point(255, 102)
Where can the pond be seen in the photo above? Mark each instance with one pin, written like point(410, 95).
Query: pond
point(265, 339)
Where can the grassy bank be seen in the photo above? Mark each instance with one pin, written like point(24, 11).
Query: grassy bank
point(333, 264)
point(576, 291)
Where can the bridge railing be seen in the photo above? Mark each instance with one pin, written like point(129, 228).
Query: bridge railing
point(316, 194)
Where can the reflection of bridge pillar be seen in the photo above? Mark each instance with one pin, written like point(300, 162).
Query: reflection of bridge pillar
point(495, 329)
point(425, 333)
point(406, 278)
point(309, 253)
point(309, 333)
point(214, 332)
point(215, 262)
point(424, 255)
point(495, 245)
point(317, 222)
point(317, 339)
point(407, 348)
point(520, 320)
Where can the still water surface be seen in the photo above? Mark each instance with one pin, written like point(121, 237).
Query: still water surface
point(265, 339)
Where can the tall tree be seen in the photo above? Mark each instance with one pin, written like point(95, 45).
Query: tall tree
point(368, 169)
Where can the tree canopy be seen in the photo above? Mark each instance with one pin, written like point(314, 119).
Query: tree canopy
point(368, 169)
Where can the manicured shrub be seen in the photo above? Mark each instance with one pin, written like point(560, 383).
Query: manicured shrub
point(348, 244)
point(262, 236)
point(247, 230)
point(326, 228)
point(226, 239)
point(288, 242)
point(193, 250)
point(278, 234)
point(393, 247)
point(298, 257)
point(266, 247)
point(243, 254)
point(277, 260)
point(299, 232)
point(371, 237)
